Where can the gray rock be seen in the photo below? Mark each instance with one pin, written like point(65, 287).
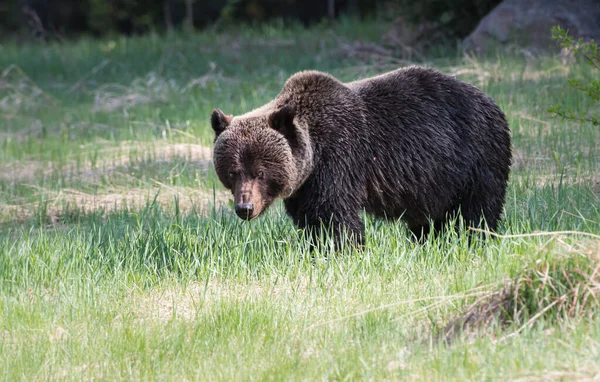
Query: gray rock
point(528, 23)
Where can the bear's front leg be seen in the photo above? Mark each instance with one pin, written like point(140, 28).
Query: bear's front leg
point(343, 225)
point(344, 232)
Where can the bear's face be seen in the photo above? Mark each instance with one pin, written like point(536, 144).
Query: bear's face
point(253, 157)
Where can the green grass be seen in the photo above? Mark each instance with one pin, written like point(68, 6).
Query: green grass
point(120, 257)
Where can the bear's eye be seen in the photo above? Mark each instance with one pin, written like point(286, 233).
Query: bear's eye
point(231, 174)
point(260, 174)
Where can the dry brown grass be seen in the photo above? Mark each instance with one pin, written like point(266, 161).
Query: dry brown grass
point(60, 203)
point(566, 286)
point(553, 180)
point(187, 302)
point(108, 160)
point(19, 92)
point(149, 89)
point(481, 72)
point(522, 161)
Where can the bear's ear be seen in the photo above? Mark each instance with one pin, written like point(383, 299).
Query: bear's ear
point(219, 121)
point(282, 120)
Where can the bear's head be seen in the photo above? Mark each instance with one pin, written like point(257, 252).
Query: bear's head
point(260, 157)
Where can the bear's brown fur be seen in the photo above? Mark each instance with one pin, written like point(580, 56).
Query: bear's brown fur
point(412, 143)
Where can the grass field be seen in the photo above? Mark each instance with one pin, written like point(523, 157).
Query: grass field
point(120, 257)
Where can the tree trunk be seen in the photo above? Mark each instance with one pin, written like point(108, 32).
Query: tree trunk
point(168, 15)
point(189, 15)
point(331, 11)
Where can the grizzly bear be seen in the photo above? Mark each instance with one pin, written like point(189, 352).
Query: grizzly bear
point(411, 144)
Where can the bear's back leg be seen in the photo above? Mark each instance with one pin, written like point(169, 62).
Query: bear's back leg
point(484, 204)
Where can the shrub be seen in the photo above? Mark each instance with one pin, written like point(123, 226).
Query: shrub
point(591, 54)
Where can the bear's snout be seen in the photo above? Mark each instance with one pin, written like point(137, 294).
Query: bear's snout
point(244, 210)
point(248, 199)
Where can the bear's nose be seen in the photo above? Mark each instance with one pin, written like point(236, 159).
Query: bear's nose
point(244, 210)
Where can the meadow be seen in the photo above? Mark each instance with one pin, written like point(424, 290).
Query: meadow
point(121, 259)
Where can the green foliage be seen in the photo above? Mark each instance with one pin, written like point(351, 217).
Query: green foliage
point(229, 10)
point(591, 88)
point(9, 18)
point(112, 15)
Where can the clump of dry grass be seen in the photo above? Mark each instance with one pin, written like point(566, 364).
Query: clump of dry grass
point(370, 52)
point(482, 72)
point(19, 92)
point(149, 89)
point(212, 77)
point(551, 290)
